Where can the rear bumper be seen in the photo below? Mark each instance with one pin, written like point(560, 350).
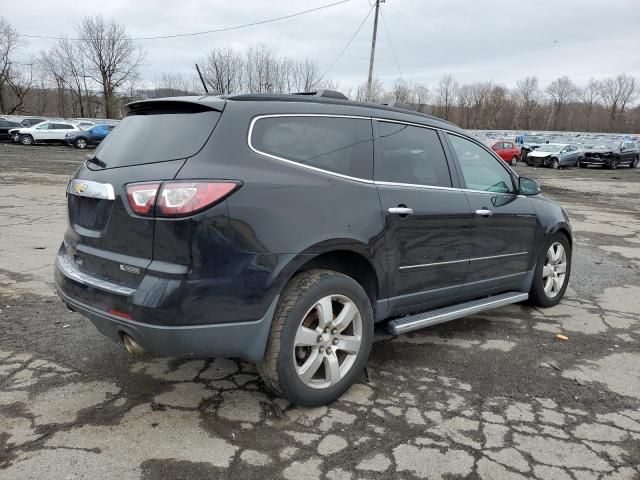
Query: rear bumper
point(245, 340)
point(94, 299)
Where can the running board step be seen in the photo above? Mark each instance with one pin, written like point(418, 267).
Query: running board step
point(441, 315)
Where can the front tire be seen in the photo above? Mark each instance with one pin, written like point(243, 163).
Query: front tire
point(634, 163)
point(81, 143)
point(320, 338)
point(555, 164)
point(614, 164)
point(553, 269)
point(26, 140)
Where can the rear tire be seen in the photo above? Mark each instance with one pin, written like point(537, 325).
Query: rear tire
point(301, 355)
point(514, 161)
point(26, 140)
point(553, 270)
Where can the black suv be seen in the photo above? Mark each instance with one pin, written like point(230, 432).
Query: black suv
point(280, 228)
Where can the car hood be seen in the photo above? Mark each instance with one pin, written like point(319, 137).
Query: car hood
point(537, 153)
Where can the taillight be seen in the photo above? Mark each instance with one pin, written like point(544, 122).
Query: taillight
point(142, 197)
point(176, 199)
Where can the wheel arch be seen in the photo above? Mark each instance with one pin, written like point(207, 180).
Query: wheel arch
point(353, 260)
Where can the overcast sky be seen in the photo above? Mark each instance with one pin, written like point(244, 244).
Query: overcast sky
point(500, 40)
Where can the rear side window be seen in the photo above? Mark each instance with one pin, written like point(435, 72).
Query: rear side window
point(62, 126)
point(155, 135)
point(335, 144)
point(411, 155)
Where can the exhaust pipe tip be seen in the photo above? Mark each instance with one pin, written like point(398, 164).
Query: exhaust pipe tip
point(132, 346)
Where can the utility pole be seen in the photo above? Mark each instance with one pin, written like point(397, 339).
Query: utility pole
point(373, 50)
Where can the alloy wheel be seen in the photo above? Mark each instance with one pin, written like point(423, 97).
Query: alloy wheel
point(328, 341)
point(81, 143)
point(555, 164)
point(554, 270)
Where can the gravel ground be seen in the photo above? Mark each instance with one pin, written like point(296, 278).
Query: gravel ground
point(491, 396)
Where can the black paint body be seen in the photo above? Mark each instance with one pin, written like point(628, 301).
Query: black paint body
point(207, 284)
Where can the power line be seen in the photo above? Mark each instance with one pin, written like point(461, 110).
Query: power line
point(384, 24)
point(205, 32)
point(348, 43)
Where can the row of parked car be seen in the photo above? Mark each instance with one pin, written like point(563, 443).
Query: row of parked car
point(536, 151)
point(39, 130)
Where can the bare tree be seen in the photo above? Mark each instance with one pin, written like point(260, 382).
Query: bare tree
point(223, 71)
point(421, 94)
point(561, 91)
point(401, 92)
point(376, 95)
point(589, 98)
point(171, 85)
point(526, 96)
point(16, 78)
point(445, 96)
point(113, 59)
point(617, 93)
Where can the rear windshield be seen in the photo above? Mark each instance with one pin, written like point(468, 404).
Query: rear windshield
point(156, 136)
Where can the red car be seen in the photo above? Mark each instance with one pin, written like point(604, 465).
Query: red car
point(508, 151)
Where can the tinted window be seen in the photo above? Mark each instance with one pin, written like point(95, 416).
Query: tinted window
point(63, 126)
point(155, 136)
point(411, 155)
point(481, 170)
point(341, 145)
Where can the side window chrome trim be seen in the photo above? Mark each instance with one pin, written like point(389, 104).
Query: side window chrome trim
point(347, 177)
point(298, 164)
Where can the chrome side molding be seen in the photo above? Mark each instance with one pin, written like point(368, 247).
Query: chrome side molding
point(441, 315)
point(91, 189)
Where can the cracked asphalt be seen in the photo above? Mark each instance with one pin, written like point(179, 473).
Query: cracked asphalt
point(493, 396)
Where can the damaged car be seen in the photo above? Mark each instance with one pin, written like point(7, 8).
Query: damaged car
point(612, 155)
point(555, 155)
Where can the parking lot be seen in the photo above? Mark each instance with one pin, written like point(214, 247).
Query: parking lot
point(495, 395)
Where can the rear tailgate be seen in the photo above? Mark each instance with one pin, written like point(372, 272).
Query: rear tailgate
point(106, 239)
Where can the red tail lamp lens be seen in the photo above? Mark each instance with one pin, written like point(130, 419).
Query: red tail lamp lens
point(176, 199)
point(142, 197)
point(186, 198)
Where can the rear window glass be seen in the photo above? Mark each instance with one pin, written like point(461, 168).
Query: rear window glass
point(340, 145)
point(149, 137)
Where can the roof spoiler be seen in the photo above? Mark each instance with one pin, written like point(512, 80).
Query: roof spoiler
point(187, 104)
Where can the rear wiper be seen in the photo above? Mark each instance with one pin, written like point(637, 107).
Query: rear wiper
point(96, 160)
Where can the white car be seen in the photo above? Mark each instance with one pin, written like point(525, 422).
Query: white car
point(44, 132)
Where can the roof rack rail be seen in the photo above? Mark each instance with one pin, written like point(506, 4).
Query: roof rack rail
point(325, 94)
point(400, 105)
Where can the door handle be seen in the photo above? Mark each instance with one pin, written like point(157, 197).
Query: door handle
point(401, 210)
point(485, 212)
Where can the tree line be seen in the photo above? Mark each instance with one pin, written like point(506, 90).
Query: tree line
point(98, 71)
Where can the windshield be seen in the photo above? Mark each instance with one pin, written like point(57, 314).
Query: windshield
point(533, 139)
point(549, 148)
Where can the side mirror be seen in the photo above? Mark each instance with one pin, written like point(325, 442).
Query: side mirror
point(527, 186)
